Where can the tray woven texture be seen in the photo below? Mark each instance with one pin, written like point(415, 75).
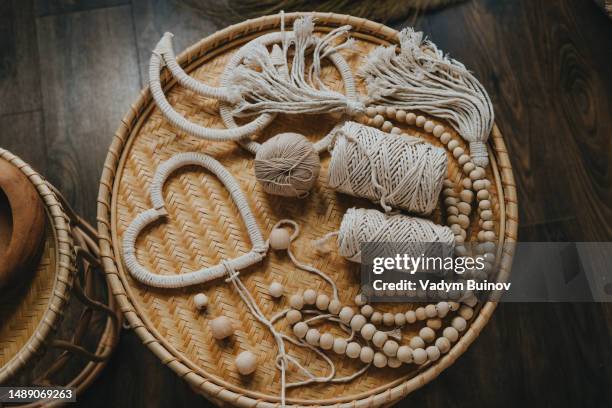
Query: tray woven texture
point(204, 227)
point(28, 318)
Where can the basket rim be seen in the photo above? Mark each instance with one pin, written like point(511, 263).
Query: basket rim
point(64, 276)
point(220, 390)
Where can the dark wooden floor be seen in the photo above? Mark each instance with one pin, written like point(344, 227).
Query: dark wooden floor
point(69, 70)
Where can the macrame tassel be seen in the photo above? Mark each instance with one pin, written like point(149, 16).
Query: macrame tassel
point(268, 84)
point(422, 78)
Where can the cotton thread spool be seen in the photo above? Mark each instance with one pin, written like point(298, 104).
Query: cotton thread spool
point(287, 165)
point(398, 171)
point(364, 225)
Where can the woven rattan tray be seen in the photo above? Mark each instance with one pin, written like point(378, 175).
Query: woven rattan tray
point(204, 227)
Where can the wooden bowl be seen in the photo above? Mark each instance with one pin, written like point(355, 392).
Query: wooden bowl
point(204, 227)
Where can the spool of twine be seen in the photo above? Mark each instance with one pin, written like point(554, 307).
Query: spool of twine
point(361, 225)
point(287, 165)
point(397, 171)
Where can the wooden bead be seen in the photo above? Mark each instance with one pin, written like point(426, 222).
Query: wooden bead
point(463, 159)
point(246, 363)
point(367, 310)
point(279, 239)
point(430, 310)
point(346, 314)
point(434, 324)
point(451, 334)
point(454, 306)
point(386, 126)
point(429, 126)
point(420, 120)
point(466, 196)
point(464, 209)
point(357, 322)
point(396, 131)
point(300, 329)
point(450, 201)
point(366, 355)
point(326, 341)
point(442, 308)
point(370, 111)
point(275, 289)
point(404, 354)
point(445, 137)
point(381, 109)
point(388, 319)
point(322, 302)
point(376, 318)
point(400, 115)
point(466, 312)
point(201, 301)
point(400, 319)
point(479, 185)
point(221, 327)
point(353, 349)
point(390, 112)
point(466, 183)
point(463, 220)
point(416, 342)
point(443, 344)
point(468, 167)
point(378, 120)
point(420, 313)
point(438, 130)
point(361, 299)
point(457, 152)
point(410, 316)
point(380, 360)
point(427, 334)
point(310, 297)
point(367, 331)
point(393, 362)
point(452, 210)
point(296, 302)
point(339, 345)
point(293, 316)
point(390, 348)
point(484, 205)
point(419, 356)
point(471, 301)
point(452, 145)
point(433, 353)
point(459, 323)
point(312, 337)
point(334, 307)
point(482, 195)
point(410, 118)
point(379, 338)
point(486, 215)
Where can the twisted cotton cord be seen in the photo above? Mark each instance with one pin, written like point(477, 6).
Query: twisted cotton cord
point(396, 171)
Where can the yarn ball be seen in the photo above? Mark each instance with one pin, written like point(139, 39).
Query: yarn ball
point(287, 165)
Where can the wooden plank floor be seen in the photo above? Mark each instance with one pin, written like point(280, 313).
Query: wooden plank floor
point(70, 69)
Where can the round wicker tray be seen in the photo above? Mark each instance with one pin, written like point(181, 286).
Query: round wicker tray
point(204, 227)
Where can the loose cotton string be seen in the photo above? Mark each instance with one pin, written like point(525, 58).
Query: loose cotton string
point(396, 171)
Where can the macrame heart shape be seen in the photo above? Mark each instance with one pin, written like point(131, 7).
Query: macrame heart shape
point(146, 218)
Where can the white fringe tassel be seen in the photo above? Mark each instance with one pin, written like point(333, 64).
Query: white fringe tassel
point(269, 85)
point(420, 77)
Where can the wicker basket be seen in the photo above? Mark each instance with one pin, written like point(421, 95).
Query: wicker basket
point(204, 227)
point(32, 351)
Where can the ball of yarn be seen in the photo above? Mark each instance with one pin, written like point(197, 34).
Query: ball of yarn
point(397, 171)
point(287, 165)
point(411, 234)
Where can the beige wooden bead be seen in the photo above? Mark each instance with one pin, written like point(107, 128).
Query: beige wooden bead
point(430, 311)
point(443, 344)
point(346, 314)
point(293, 316)
point(429, 126)
point(390, 111)
point(433, 353)
point(464, 208)
point(334, 307)
point(404, 354)
point(361, 299)
point(275, 289)
point(396, 131)
point(310, 297)
point(459, 323)
point(482, 195)
point(463, 159)
point(339, 345)
point(477, 174)
point(468, 168)
point(427, 334)
point(296, 302)
point(353, 349)
point(390, 348)
point(419, 356)
point(357, 322)
point(312, 337)
point(378, 120)
point(472, 300)
point(379, 338)
point(376, 318)
point(366, 354)
point(454, 306)
point(450, 201)
point(246, 363)
point(410, 118)
point(367, 310)
point(381, 109)
point(466, 183)
point(466, 312)
point(370, 111)
point(479, 185)
point(411, 316)
point(400, 115)
point(438, 130)
point(452, 145)
point(463, 220)
point(486, 215)
point(434, 324)
point(416, 342)
point(279, 239)
point(367, 331)
point(420, 313)
point(326, 341)
point(484, 205)
point(322, 302)
point(442, 308)
point(388, 319)
point(452, 210)
point(387, 126)
point(400, 319)
point(445, 137)
point(201, 301)
point(488, 225)
point(221, 327)
point(458, 152)
point(451, 334)
point(300, 329)
point(380, 360)
point(393, 362)
point(420, 120)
